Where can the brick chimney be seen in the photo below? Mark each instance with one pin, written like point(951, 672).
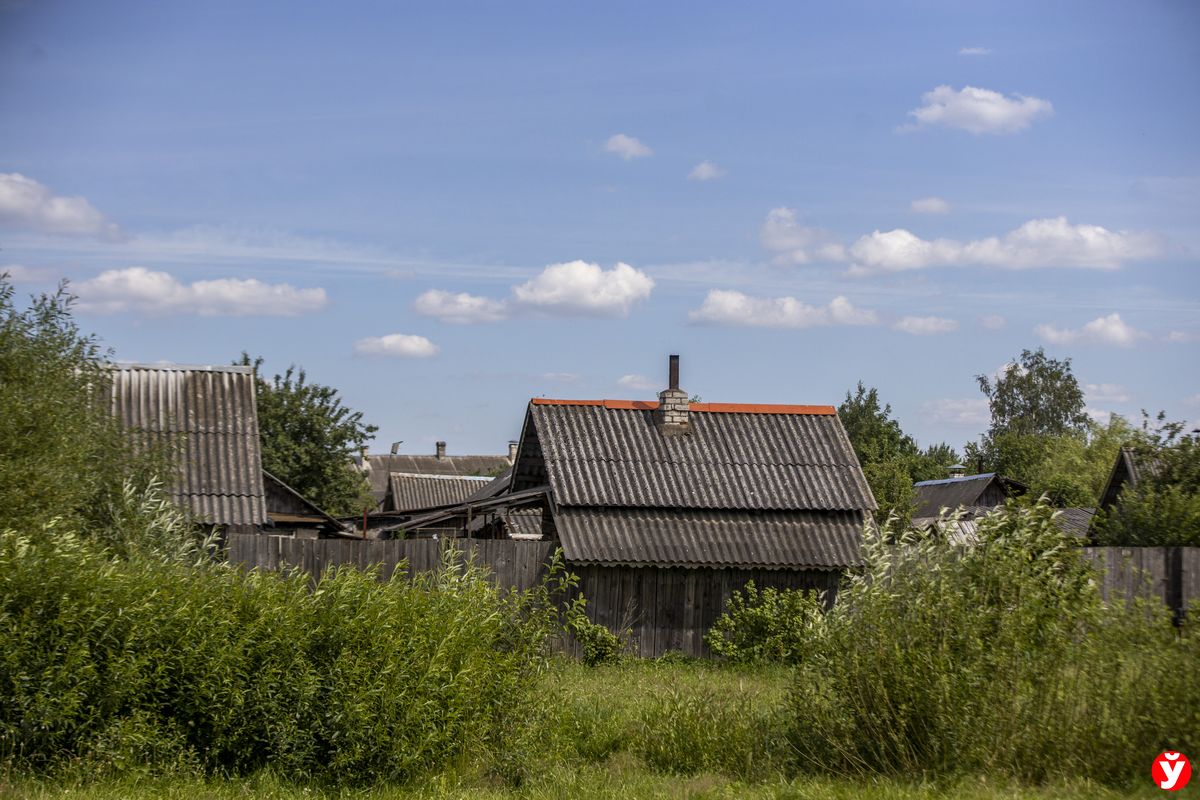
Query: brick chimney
point(673, 403)
point(441, 450)
point(512, 450)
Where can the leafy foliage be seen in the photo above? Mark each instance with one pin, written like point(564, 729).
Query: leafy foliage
point(1163, 509)
point(1035, 395)
point(308, 438)
point(997, 659)
point(891, 459)
point(765, 624)
point(62, 453)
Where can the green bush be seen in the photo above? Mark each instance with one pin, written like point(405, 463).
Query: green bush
point(996, 659)
point(351, 679)
point(598, 644)
point(766, 625)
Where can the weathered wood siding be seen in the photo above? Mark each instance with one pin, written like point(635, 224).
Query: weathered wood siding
point(670, 609)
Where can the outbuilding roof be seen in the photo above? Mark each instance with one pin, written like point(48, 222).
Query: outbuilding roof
point(408, 492)
point(207, 417)
point(971, 493)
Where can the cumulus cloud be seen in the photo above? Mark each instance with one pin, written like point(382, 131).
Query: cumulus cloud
point(637, 382)
point(975, 51)
point(1106, 393)
point(725, 307)
point(461, 308)
point(970, 413)
point(978, 110)
point(574, 288)
point(926, 326)
point(930, 205)
point(25, 203)
point(706, 171)
point(396, 345)
point(1051, 242)
point(794, 243)
point(993, 322)
point(579, 287)
point(627, 147)
point(1109, 330)
point(142, 290)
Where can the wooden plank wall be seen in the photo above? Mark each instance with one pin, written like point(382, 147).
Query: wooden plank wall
point(670, 609)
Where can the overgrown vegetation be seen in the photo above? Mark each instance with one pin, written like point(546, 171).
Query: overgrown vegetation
point(151, 664)
point(995, 659)
point(766, 625)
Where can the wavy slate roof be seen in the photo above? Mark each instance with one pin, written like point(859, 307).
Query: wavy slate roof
point(412, 492)
point(976, 494)
point(210, 415)
point(384, 464)
point(748, 485)
point(597, 455)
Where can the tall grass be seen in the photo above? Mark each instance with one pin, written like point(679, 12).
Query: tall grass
point(150, 662)
point(1000, 658)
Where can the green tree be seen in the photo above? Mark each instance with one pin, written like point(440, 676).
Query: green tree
point(308, 437)
point(1163, 509)
point(890, 458)
point(1035, 395)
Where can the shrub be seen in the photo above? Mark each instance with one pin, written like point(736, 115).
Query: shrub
point(349, 678)
point(999, 658)
point(598, 643)
point(766, 625)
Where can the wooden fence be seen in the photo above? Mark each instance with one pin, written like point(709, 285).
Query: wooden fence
point(670, 609)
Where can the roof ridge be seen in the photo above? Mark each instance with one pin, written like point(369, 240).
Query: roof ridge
point(711, 408)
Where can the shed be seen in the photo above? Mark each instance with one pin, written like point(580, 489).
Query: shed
point(292, 514)
point(380, 466)
point(207, 418)
point(971, 495)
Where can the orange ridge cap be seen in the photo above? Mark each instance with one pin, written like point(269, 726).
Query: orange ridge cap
point(711, 408)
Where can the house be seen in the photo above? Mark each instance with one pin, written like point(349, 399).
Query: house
point(379, 468)
point(206, 419)
point(969, 497)
point(665, 508)
point(1128, 470)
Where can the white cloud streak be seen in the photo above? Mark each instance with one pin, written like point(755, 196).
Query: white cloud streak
point(1106, 393)
point(19, 273)
point(993, 322)
point(137, 289)
point(706, 171)
point(1107, 330)
point(975, 51)
point(638, 383)
point(930, 205)
point(797, 244)
point(396, 345)
point(734, 309)
point(926, 326)
point(1051, 242)
point(573, 288)
point(978, 110)
point(627, 147)
point(965, 413)
point(27, 204)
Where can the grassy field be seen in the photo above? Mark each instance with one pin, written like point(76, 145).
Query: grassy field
point(639, 729)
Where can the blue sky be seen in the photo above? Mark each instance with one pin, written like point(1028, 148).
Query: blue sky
point(446, 210)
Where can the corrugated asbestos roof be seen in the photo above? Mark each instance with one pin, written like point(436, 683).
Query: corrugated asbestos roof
point(209, 415)
point(1074, 521)
point(412, 492)
point(600, 455)
point(460, 466)
point(695, 538)
point(964, 492)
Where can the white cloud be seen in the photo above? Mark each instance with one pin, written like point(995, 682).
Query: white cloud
point(1110, 330)
point(926, 326)
point(1106, 393)
point(18, 273)
point(971, 413)
point(1181, 337)
point(993, 322)
point(724, 307)
point(399, 345)
point(978, 110)
point(975, 51)
point(627, 147)
point(147, 291)
point(706, 171)
point(25, 203)
point(1051, 242)
point(930, 205)
point(578, 287)
point(796, 244)
point(1098, 415)
point(637, 382)
point(461, 308)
